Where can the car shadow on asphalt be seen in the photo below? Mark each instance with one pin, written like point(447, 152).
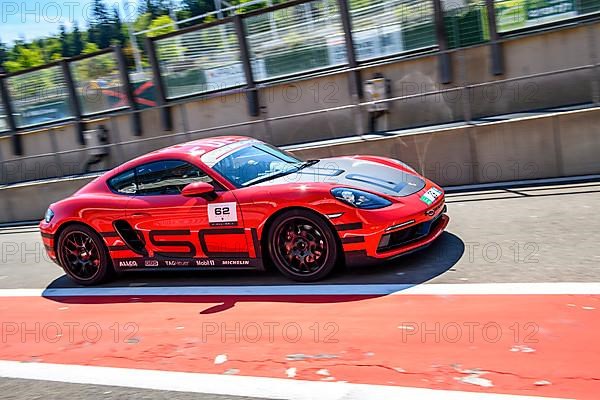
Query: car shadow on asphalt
point(403, 272)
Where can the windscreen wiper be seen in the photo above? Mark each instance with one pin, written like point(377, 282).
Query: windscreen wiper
point(298, 167)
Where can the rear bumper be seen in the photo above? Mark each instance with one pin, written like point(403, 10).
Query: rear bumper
point(365, 257)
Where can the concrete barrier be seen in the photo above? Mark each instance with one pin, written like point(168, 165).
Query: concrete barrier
point(550, 146)
point(29, 201)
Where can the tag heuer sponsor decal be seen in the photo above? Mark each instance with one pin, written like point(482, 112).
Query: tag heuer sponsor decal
point(177, 263)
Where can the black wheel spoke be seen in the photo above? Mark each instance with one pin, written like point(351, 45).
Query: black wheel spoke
point(81, 255)
point(300, 246)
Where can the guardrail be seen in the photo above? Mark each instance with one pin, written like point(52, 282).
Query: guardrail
point(73, 77)
point(76, 88)
point(358, 108)
point(278, 42)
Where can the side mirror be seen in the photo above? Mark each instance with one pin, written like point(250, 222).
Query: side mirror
point(197, 189)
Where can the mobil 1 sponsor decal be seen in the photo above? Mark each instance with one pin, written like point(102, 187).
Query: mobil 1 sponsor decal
point(204, 263)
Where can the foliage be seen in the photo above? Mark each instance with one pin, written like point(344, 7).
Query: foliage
point(161, 25)
point(106, 27)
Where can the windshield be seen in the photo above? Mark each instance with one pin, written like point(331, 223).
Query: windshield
point(254, 163)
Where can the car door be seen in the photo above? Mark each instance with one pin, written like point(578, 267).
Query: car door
point(184, 231)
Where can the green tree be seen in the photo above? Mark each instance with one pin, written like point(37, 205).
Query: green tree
point(66, 50)
point(161, 25)
point(118, 32)
point(198, 7)
point(3, 53)
point(51, 49)
point(100, 30)
point(24, 57)
point(77, 41)
point(99, 12)
point(152, 7)
point(90, 48)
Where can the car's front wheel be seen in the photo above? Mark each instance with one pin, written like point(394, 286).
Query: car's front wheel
point(302, 245)
point(83, 256)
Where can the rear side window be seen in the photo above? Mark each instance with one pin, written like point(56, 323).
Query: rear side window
point(167, 177)
point(123, 183)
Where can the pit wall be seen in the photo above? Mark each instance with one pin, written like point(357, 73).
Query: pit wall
point(556, 145)
point(543, 52)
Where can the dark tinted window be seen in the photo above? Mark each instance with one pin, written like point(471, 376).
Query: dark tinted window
point(123, 183)
point(251, 163)
point(167, 177)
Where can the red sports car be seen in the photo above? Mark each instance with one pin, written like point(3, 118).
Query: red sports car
point(238, 203)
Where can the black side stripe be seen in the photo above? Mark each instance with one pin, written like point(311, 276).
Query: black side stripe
point(48, 248)
point(118, 248)
point(356, 253)
point(109, 234)
point(256, 243)
point(349, 227)
point(353, 239)
point(47, 235)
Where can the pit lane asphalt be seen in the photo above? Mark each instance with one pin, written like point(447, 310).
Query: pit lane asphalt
point(33, 389)
point(532, 234)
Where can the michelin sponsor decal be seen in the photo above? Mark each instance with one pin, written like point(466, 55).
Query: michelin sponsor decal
point(235, 262)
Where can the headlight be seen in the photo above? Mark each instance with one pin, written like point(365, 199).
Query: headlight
point(49, 215)
point(359, 199)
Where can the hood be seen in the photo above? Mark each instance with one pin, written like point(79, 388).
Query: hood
point(361, 174)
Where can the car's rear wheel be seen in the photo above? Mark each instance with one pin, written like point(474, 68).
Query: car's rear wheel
point(83, 256)
point(302, 245)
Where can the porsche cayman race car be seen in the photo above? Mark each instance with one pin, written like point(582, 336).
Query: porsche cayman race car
point(238, 203)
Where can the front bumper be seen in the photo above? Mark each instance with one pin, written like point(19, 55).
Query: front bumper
point(364, 257)
point(392, 232)
point(48, 231)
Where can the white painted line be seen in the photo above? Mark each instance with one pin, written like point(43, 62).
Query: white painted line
point(532, 182)
point(561, 288)
point(550, 288)
point(271, 388)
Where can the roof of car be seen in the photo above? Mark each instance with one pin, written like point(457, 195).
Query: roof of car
point(195, 147)
point(205, 145)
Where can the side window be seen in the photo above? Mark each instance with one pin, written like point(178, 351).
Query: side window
point(167, 177)
point(123, 183)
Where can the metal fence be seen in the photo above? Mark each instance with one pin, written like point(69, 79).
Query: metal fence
point(262, 46)
point(65, 91)
point(58, 167)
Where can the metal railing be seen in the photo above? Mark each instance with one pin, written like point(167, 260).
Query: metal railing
point(357, 110)
point(245, 47)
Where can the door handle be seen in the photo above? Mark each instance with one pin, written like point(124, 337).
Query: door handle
point(138, 215)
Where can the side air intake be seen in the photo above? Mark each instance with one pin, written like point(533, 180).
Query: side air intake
point(131, 237)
